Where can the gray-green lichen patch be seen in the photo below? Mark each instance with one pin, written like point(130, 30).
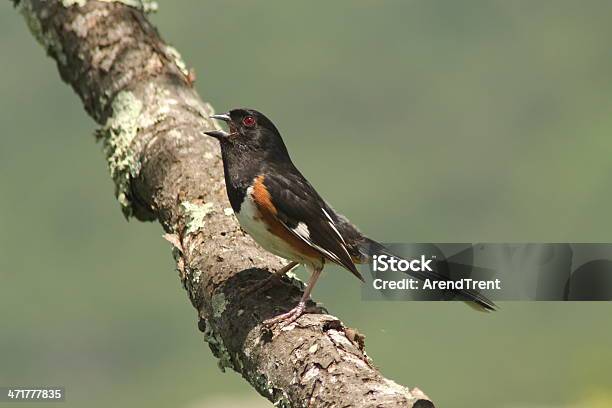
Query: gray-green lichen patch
point(196, 276)
point(264, 385)
point(178, 60)
point(195, 215)
point(118, 134)
point(147, 6)
point(218, 304)
point(216, 343)
point(47, 38)
point(68, 3)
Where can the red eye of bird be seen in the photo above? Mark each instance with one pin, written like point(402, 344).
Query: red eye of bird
point(248, 121)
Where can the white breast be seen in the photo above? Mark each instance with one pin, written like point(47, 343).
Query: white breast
point(250, 220)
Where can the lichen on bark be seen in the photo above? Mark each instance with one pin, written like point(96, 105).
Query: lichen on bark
point(145, 5)
point(69, 3)
point(117, 136)
point(45, 37)
point(195, 214)
point(217, 345)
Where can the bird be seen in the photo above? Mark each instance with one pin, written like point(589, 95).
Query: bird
point(277, 206)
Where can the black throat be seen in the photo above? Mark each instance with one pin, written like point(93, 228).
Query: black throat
point(240, 168)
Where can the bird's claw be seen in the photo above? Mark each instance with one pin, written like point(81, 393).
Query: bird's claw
point(286, 319)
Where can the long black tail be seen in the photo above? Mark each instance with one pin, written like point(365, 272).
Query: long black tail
point(368, 248)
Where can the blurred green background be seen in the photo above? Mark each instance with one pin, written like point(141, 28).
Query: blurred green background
point(423, 121)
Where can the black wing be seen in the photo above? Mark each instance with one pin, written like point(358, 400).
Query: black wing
point(301, 209)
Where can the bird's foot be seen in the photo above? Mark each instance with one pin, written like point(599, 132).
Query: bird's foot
point(286, 319)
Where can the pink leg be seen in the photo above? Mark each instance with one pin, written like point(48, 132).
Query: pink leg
point(292, 315)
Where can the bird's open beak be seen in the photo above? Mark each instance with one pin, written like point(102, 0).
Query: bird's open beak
point(221, 116)
point(219, 134)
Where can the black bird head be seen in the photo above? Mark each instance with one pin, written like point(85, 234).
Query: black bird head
point(249, 130)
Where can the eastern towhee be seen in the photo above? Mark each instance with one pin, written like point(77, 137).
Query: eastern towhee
point(284, 214)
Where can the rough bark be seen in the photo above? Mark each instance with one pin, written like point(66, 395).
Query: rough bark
point(140, 92)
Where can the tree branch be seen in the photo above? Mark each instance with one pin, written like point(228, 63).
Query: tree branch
point(139, 90)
